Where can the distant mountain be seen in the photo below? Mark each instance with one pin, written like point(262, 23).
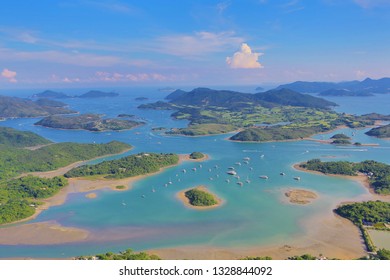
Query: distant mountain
point(259, 88)
point(177, 93)
point(50, 94)
point(235, 100)
point(98, 94)
point(288, 97)
point(367, 86)
point(15, 107)
point(343, 92)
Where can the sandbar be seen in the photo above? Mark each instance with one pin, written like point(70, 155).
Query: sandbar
point(181, 196)
point(44, 233)
point(300, 196)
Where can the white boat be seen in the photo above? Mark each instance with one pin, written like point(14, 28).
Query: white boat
point(262, 156)
point(231, 172)
point(282, 173)
point(153, 190)
point(250, 168)
point(247, 180)
point(211, 178)
point(209, 169)
point(264, 177)
point(247, 158)
point(200, 166)
point(184, 171)
point(231, 168)
point(227, 181)
point(238, 163)
point(194, 169)
point(240, 183)
point(297, 178)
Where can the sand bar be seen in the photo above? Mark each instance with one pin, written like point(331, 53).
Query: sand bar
point(300, 196)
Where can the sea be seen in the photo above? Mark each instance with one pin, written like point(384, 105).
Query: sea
point(255, 214)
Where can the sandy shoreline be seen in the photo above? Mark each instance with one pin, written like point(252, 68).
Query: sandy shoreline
point(76, 185)
point(186, 202)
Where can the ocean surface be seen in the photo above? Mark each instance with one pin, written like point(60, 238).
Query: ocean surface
point(255, 214)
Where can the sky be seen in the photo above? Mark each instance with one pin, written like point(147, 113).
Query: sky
point(83, 43)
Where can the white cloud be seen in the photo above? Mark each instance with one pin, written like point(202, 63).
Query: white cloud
point(244, 58)
point(10, 75)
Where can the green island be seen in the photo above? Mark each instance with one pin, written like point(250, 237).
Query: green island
point(380, 132)
point(200, 197)
point(341, 139)
point(98, 94)
point(366, 214)
point(15, 107)
point(267, 116)
point(196, 155)
point(20, 197)
point(91, 122)
point(378, 173)
point(130, 166)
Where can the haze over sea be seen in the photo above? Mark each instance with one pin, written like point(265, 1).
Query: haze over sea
point(252, 215)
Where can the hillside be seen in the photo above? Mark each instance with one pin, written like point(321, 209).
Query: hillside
point(15, 107)
point(91, 122)
point(380, 132)
point(20, 139)
point(367, 86)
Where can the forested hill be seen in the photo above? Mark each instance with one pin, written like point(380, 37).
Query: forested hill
point(15, 107)
point(232, 99)
point(20, 139)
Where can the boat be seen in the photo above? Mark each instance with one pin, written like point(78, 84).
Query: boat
point(247, 180)
point(184, 171)
point(170, 181)
point(216, 166)
point(153, 190)
point(143, 196)
point(246, 162)
point(282, 173)
point(297, 178)
point(240, 183)
point(264, 177)
point(238, 163)
point(166, 185)
point(211, 178)
point(262, 156)
point(209, 169)
point(247, 158)
point(200, 166)
point(217, 175)
point(227, 181)
point(232, 172)
point(194, 169)
point(231, 168)
point(250, 168)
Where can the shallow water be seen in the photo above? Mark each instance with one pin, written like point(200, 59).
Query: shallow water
point(255, 214)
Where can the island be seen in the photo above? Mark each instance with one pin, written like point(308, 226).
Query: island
point(130, 166)
point(290, 115)
point(51, 95)
point(98, 94)
point(348, 88)
point(15, 107)
point(196, 155)
point(21, 194)
point(380, 132)
point(141, 98)
point(91, 122)
point(199, 198)
point(377, 173)
point(299, 196)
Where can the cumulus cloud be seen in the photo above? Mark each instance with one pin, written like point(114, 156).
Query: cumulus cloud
point(244, 58)
point(10, 75)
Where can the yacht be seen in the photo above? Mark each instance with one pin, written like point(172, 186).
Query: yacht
point(282, 173)
point(231, 172)
point(264, 177)
point(297, 178)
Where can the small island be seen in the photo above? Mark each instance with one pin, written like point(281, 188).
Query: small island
point(340, 139)
point(196, 155)
point(199, 198)
point(141, 98)
point(299, 196)
point(50, 94)
point(98, 94)
point(91, 122)
point(380, 132)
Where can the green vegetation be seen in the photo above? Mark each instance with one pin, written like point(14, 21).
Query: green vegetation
point(121, 187)
point(377, 172)
point(380, 132)
point(19, 197)
point(125, 255)
point(92, 122)
point(196, 155)
point(204, 129)
point(16, 161)
point(129, 166)
point(15, 107)
point(341, 142)
point(20, 139)
point(198, 197)
point(303, 257)
point(383, 254)
point(361, 213)
point(266, 258)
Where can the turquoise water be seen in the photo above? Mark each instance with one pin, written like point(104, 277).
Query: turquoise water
point(254, 214)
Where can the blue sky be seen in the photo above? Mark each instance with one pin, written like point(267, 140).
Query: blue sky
point(51, 43)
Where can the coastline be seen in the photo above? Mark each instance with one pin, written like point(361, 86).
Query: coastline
point(76, 185)
point(186, 202)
